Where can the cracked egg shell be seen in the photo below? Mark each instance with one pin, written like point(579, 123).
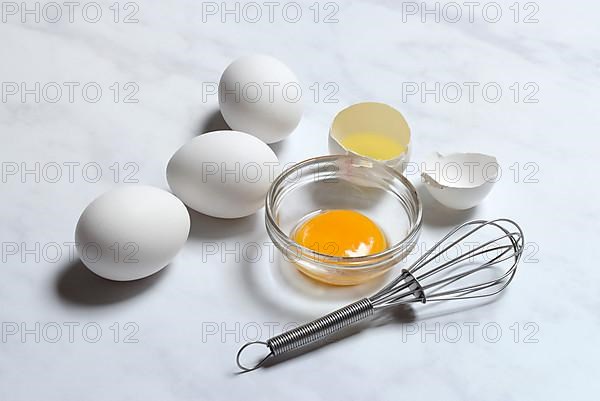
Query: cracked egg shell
point(459, 180)
point(371, 117)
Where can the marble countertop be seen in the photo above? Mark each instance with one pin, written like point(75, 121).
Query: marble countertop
point(102, 95)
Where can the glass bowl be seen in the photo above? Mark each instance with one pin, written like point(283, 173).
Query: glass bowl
point(343, 182)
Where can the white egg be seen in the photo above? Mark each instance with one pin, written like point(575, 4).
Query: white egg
point(261, 96)
point(131, 232)
point(460, 180)
point(223, 174)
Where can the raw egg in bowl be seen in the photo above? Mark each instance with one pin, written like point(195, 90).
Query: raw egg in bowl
point(343, 219)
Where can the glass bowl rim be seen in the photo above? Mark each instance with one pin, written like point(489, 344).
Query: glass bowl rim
point(328, 259)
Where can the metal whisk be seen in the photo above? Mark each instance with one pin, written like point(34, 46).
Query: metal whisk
point(483, 270)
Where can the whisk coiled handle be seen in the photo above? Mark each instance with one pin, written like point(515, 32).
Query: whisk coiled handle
point(313, 331)
point(320, 328)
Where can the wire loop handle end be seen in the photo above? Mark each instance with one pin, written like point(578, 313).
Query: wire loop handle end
point(259, 364)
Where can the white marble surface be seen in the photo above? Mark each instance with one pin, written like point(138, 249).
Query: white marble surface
point(368, 54)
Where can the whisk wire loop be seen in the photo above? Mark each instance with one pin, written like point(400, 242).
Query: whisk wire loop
point(507, 246)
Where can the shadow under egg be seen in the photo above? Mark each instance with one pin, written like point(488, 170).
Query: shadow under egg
point(204, 227)
point(76, 284)
point(213, 122)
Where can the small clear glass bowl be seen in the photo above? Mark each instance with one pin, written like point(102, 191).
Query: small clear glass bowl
point(344, 182)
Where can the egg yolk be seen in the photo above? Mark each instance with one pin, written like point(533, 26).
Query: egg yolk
point(342, 233)
point(374, 145)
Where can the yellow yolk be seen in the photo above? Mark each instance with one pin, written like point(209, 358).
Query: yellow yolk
point(373, 145)
point(344, 233)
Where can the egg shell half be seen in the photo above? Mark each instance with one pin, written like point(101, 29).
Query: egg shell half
point(131, 232)
point(223, 174)
point(460, 180)
point(371, 117)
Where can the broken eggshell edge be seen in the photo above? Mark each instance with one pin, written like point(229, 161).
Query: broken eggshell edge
point(378, 117)
point(398, 163)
